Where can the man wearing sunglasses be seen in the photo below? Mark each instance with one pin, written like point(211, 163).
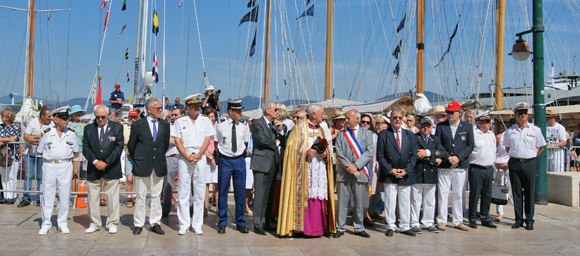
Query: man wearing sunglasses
point(524, 142)
point(148, 142)
point(457, 140)
point(102, 147)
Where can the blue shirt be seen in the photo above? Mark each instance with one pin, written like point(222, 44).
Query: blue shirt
point(211, 103)
point(178, 106)
point(117, 96)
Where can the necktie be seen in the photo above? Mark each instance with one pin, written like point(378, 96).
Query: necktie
point(154, 121)
point(102, 136)
point(426, 140)
point(398, 141)
point(234, 142)
point(273, 128)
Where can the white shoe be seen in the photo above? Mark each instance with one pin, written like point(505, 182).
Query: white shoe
point(113, 230)
point(64, 230)
point(43, 231)
point(198, 231)
point(182, 231)
point(91, 229)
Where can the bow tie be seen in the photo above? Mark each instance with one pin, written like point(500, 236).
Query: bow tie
point(314, 127)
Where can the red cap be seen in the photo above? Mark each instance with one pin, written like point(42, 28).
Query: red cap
point(117, 85)
point(453, 106)
point(133, 113)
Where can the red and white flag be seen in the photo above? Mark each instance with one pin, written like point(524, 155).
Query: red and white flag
point(180, 4)
point(107, 19)
point(103, 4)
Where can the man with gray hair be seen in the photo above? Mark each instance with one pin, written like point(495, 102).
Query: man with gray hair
point(148, 142)
point(469, 116)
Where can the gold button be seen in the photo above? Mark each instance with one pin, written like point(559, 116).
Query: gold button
point(153, 148)
point(453, 145)
point(101, 150)
point(153, 157)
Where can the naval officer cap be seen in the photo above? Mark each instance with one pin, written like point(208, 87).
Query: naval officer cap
point(61, 112)
point(483, 117)
point(520, 106)
point(194, 99)
point(235, 104)
point(426, 120)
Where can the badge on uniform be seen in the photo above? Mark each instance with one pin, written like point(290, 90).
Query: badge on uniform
point(69, 143)
point(49, 144)
point(462, 137)
point(183, 127)
point(111, 138)
point(531, 135)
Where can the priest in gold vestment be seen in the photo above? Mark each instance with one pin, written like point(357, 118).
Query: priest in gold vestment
point(307, 191)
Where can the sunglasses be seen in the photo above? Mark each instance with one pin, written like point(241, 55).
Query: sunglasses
point(519, 113)
point(365, 122)
point(100, 117)
point(397, 117)
point(295, 117)
point(64, 118)
point(450, 112)
point(174, 114)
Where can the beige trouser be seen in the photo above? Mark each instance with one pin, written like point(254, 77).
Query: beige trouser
point(156, 184)
point(112, 193)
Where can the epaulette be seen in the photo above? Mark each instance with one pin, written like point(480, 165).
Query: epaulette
point(243, 121)
point(45, 131)
point(223, 119)
point(73, 130)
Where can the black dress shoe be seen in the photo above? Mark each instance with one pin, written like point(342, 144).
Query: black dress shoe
point(2, 201)
point(368, 222)
point(363, 234)
point(269, 228)
point(517, 225)
point(157, 229)
point(243, 229)
point(389, 232)
point(530, 226)
point(164, 214)
point(338, 234)
point(10, 201)
point(221, 230)
point(137, 230)
point(259, 231)
point(23, 203)
point(472, 225)
point(488, 224)
point(409, 232)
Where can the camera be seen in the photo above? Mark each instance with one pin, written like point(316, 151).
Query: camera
point(218, 92)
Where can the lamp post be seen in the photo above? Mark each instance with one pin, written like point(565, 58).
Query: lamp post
point(521, 52)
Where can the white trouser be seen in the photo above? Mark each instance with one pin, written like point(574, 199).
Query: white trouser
point(404, 193)
point(502, 178)
point(56, 176)
point(451, 179)
point(156, 184)
point(191, 175)
point(9, 179)
point(423, 194)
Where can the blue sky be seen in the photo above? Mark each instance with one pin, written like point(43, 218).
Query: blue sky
point(363, 42)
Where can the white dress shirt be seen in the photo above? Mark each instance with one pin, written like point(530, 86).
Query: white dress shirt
point(524, 143)
point(223, 135)
point(484, 150)
point(151, 124)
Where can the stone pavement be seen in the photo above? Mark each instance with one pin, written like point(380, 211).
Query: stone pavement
point(557, 232)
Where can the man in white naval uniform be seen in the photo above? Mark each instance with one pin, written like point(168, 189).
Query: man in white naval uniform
point(58, 147)
point(192, 137)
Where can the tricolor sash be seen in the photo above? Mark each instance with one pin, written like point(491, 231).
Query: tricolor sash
point(357, 149)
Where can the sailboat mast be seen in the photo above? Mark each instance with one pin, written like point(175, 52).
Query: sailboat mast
point(267, 54)
point(499, 39)
point(136, 79)
point(29, 75)
point(328, 71)
point(420, 45)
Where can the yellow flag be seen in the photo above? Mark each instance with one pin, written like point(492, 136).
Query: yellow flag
point(155, 23)
point(130, 100)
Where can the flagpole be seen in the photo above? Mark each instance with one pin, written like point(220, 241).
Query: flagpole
point(137, 52)
point(499, 41)
point(163, 70)
point(267, 56)
point(328, 72)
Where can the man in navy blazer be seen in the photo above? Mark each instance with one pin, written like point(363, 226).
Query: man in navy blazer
point(457, 140)
point(148, 142)
point(396, 154)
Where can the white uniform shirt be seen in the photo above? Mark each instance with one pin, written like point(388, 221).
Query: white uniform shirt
point(34, 128)
point(172, 150)
point(223, 135)
point(484, 151)
point(52, 147)
point(192, 135)
point(524, 143)
point(555, 134)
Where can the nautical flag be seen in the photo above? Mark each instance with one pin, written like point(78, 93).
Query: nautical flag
point(124, 27)
point(98, 100)
point(130, 99)
point(251, 3)
point(396, 71)
point(49, 15)
point(450, 41)
point(107, 19)
point(180, 4)
point(154, 71)
point(127, 56)
point(397, 50)
point(124, 6)
point(128, 76)
point(103, 4)
point(307, 2)
point(251, 16)
point(402, 24)
point(309, 12)
point(155, 23)
point(253, 47)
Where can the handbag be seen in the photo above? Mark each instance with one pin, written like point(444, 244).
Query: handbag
point(500, 191)
point(5, 158)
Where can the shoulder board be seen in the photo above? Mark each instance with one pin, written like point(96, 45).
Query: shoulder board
point(73, 130)
point(223, 119)
point(243, 121)
point(45, 131)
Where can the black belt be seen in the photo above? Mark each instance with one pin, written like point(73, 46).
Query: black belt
point(522, 160)
point(480, 166)
point(231, 157)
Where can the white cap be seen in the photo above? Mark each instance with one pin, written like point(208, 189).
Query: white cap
point(193, 99)
point(521, 105)
point(209, 87)
point(61, 111)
